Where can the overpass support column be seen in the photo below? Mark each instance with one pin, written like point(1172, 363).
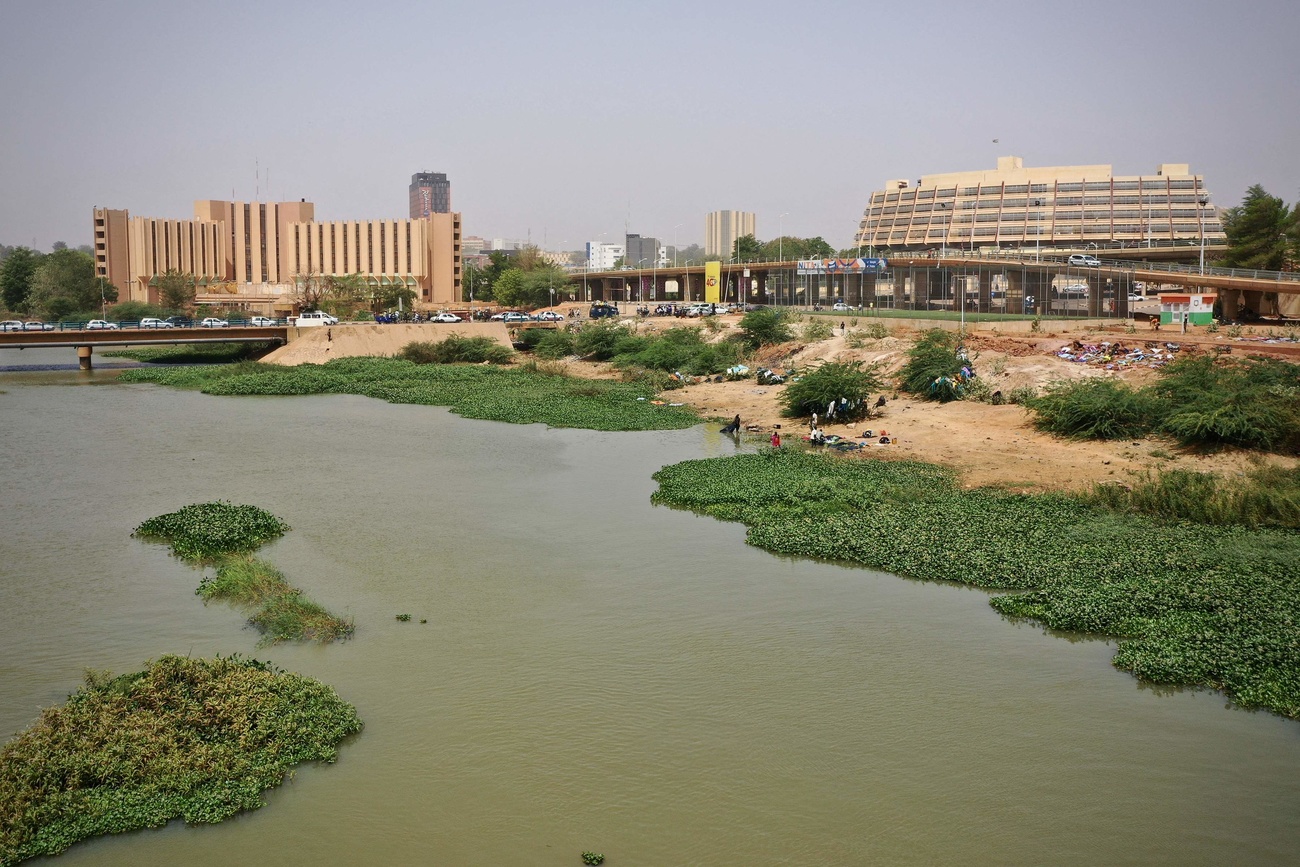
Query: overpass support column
point(1231, 303)
point(83, 357)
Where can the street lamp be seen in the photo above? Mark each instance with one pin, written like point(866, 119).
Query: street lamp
point(640, 282)
point(1038, 229)
point(1202, 201)
point(675, 228)
point(780, 242)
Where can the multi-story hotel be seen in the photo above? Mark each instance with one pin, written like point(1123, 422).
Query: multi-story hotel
point(258, 251)
point(1058, 206)
point(722, 228)
point(430, 193)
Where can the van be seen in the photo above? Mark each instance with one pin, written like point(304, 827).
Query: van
point(314, 318)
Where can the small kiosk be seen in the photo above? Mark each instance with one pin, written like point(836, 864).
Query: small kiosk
point(1198, 307)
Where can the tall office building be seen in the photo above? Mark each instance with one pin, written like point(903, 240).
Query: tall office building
point(722, 228)
point(1062, 206)
point(430, 194)
point(641, 252)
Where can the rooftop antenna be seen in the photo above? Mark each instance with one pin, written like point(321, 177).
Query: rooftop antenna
point(257, 180)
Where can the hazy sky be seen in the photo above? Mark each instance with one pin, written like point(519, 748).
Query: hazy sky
point(567, 120)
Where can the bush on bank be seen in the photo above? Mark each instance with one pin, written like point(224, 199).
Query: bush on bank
point(457, 349)
point(198, 739)
point(1200, 401)
point(1192, 605)
point(497, 394)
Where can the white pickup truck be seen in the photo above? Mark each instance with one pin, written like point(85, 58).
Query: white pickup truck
point(313, 318)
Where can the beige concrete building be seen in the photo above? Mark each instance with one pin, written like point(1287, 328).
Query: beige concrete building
point(1056, 206)
point(257, 251)
point(722, 228)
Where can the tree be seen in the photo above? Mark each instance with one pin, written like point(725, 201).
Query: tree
point(1257, 231)
point(16, 274)
point(176, 290)
point(509, 288)
point(747, 249)
point(63, 284)
point(789, 248)
point(763, 326)
point(832, 382)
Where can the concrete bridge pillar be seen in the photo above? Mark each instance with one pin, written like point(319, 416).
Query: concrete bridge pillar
point(1231, 303)
point(84, 357)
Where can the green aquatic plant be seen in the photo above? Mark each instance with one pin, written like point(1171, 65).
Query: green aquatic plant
point(280, 611)
point(1191, 604)
point(204, 532)
point(485, 392)
point(196, 739)
point(457, 349)
point(593, 858)
point(194, 353)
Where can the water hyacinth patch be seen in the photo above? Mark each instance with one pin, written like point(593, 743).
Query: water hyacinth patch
point(496, 394)
point(197, 739)
point(1192, 604)
point(204, 532)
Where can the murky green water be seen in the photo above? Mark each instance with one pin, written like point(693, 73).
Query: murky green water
point(596, 673)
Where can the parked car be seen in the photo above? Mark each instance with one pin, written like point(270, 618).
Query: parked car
point(447, 317)
point(37, 325)
point(1133, 296)
point(214, 322)
point(262, 322)
point(179, 321)
point(11, 325)
point(1083, 260)
point(549, 316)
point(516, 317)
point(100, 325)
point(599, 311)
point(155, 322)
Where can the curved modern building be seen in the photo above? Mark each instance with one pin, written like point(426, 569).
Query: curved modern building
point(1051, 206)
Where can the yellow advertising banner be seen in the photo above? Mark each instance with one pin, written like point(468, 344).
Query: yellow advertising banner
point(712, 282)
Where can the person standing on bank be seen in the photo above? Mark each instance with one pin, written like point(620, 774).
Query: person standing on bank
point(776, 439)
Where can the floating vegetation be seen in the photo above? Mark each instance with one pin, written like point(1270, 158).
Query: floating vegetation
point(1191, 604)
point(403, 617)
point(220, 534)
point(205, 532)
point(197, 739)
point(280, 610)
point(194, 353)
point(593, 858)
point(484, 392)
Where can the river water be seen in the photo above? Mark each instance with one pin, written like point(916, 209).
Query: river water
point(596, 672)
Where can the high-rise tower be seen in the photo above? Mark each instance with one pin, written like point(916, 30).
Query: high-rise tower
point(430, 194)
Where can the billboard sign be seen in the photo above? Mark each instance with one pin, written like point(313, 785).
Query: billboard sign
point(713, 282)
point(839, 266)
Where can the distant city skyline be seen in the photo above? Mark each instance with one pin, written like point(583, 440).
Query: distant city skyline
point(564, 157)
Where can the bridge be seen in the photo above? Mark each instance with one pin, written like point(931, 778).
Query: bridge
point(992, 281)
point(85, 341)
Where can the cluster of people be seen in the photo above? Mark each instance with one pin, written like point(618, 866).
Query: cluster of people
point(395, 316)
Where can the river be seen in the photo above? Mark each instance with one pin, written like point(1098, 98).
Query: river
point(596, 672)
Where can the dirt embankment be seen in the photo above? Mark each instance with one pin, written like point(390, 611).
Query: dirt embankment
point(318, 345)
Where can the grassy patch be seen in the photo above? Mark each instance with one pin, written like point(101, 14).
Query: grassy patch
point(1263, 497)
point(457, 350)
point(280, 610)
point(195, 353)
point(1192, 605)
point(198, 739)
point(497, 394)
point(205, 532)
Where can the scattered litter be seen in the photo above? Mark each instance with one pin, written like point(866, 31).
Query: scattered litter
point(1116, 356)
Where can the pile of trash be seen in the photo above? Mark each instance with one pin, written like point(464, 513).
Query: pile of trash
point(1117, 356)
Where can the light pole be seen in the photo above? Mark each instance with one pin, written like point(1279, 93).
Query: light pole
point(1038, 229)
point(640, 282)
point(780, 242)
point(675, 228)
point(1202, 201)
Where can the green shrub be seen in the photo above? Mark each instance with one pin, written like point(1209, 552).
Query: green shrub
point(764, 326)
point(933, 367)
point(817, 388)
point(1022, 395)
point(280, 611)
point(1096, 408)
point(134, 311)
point(1263, 497)
point(816, 330)
point(598, 340)
point(457, 349)
point(555, 344)
point(678, 349)
point(1251, 403)
point(196, 739)
point(196, 353)
point(205, 532)
point(875, 330)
